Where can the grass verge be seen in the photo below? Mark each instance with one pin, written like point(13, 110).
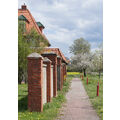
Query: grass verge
point(91, 88)
point(50, 110)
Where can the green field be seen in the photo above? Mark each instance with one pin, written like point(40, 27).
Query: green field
point(50, 111)
point(91, 88)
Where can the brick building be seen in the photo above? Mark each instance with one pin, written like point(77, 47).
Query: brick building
point(52, 61)
point(25, 16)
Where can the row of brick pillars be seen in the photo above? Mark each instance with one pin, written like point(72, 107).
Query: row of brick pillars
point(35, 78)
point(53, 58)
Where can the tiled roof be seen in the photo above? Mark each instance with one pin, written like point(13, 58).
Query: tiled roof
point(57, 51)
point(32, 23)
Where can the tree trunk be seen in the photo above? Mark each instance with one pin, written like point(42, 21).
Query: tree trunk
point(84, 72)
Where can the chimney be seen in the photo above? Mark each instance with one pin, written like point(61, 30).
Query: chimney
point(24, 7)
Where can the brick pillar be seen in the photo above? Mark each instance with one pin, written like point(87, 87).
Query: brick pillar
point(66, 70)
point(48, 63)
point(58, 73)
point(63, 71)
point(61, 76)
point(35, 80)
point(53, 58)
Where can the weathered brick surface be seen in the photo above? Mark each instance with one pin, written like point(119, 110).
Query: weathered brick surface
point(61, 76)
point(64, 71)
point(59, 60)
point(57, 51)
point(48, 63)
point(59, 73)
point(35, 77)
point(53, 58)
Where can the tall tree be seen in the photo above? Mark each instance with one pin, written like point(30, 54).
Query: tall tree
point(82, 57)
point(27, 43)
point(23, 51)
point(80, 46)
point(98, 60)
point(82, 62)
point(35, 41)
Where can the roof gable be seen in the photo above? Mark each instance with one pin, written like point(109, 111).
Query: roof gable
point(32, 23)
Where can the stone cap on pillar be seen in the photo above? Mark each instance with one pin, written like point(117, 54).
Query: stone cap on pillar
point(44, 65)
point(34, 56)
point(58, 57)
point(63, 64)
point(46, 60)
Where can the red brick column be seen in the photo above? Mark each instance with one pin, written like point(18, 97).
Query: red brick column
point(35, 80)
point(48, 63)
point(64, 71)
point(53, 58)
point(59, 74)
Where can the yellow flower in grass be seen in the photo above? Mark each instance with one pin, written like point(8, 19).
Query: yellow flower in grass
point(72, 73)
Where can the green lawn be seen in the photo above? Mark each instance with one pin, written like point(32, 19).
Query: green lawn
point(50, 111)
point(91, 89)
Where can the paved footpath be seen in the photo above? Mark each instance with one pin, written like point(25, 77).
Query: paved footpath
point(78, 106)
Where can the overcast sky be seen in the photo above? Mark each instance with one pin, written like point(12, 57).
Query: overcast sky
point(67, 20)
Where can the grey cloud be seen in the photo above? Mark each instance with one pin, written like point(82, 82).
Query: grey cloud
point(66, 20)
